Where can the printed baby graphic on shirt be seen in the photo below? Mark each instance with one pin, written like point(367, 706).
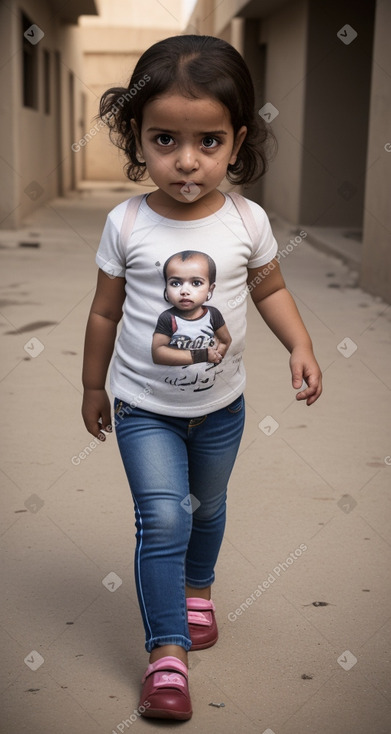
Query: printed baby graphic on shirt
point(190, 332)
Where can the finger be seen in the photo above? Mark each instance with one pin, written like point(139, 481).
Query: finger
point(305, 394)
point(317, 392)
point(106, 422)
point(100, 435)
point(297, 377)
point(312, 392)
point(303, 388)
point(96, 430)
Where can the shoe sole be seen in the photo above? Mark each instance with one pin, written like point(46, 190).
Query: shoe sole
point(205, 645)
point(166, 714)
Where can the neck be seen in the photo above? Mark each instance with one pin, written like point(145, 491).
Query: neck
point(168, 207)
point(195, 313)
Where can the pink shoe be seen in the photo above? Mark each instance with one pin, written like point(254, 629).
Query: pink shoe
point(165, 692)
point(202, 623)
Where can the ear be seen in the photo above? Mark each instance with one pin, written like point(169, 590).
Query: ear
point(211, 289)
point(239, 138)
point(165, 295)
point(136, 133)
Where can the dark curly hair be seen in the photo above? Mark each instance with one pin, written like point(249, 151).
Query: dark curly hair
point(196, 66)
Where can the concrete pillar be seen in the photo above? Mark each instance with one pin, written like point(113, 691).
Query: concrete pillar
point(285, 35)
point(9, 108)
point(376, 256)
point(338, 75)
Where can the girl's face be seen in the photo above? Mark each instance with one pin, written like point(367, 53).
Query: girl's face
point(187, 145)
point(188, 284)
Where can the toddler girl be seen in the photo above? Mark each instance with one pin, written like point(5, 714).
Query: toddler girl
point(191, 123)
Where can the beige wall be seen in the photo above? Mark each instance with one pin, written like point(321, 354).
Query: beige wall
point(285, 36)
point(35, 148)
point(112, 44)
point(136, 14)
point(376, 257)
point(337, 99)
point(35, 151)
point(9, 149)
point(202, 19)
point(102, 161)
point(333, 167)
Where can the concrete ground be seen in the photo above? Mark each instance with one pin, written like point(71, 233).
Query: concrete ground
point(303, 579)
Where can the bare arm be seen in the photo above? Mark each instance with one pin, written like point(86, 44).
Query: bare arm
point(224, 339)
point(105, 314)
point(279, 311)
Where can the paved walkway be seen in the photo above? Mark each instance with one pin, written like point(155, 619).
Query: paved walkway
point(303, 579)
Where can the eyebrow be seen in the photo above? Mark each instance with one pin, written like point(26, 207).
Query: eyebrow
point(175, 132)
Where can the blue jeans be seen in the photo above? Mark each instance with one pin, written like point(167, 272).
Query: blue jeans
point(178, 470)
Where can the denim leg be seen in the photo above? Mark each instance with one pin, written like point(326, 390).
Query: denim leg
point(154, 454)
point(212, 450)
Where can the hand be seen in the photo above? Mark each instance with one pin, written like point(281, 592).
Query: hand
point(305, 367)
point(96, 412)
point(214, 355)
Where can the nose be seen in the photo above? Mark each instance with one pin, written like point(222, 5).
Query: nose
point(187, 159)
point(185, 290)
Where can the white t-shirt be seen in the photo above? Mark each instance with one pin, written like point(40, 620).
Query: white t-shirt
point(191, 390)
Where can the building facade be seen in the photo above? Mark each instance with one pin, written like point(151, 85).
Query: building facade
point(111, 45)
point(322, 73)
point(41, 72)
point(56, 60)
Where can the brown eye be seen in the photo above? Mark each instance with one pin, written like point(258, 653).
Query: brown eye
point(164, 139)
point(209, 142)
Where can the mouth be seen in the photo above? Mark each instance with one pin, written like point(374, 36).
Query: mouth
point(188, 189)
point(187, 184)
point(186, 302)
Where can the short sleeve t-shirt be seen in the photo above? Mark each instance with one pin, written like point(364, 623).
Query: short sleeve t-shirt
point(196, 389)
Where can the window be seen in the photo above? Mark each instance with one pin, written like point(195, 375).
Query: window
point(29, 68)
point(46, 82)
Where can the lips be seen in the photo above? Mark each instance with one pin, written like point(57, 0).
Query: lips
point(186, 302)
point(190, 190)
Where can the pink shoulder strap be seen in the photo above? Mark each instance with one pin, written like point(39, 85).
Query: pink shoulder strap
point(129, 219)
point(239, 201)
point(245, 212)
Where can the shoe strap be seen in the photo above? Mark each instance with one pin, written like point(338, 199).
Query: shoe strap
point(195, 603)
point(166, 664)
point(168, 679)
point(201, 618)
